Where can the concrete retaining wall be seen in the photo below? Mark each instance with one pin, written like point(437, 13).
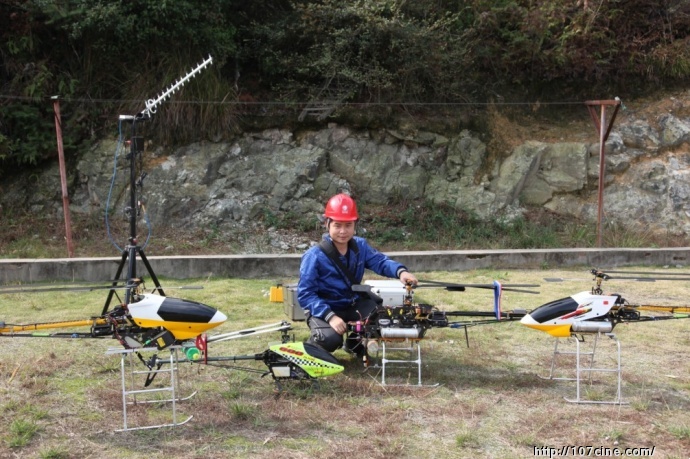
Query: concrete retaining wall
point(287, 266)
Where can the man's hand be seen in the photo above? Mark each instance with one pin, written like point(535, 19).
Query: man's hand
point(407, 277)
point(338, 325)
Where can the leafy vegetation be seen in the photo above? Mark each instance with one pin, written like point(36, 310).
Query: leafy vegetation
point(398, 227)
point(429, 226)
point(105, 58)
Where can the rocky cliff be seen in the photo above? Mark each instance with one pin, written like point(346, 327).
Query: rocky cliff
point(229, 184)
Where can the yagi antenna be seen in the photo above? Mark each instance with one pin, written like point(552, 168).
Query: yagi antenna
point(152, 104)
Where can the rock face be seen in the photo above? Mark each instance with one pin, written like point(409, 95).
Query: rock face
point(647, 177)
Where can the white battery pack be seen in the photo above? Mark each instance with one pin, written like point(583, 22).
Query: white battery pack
point(392, 291)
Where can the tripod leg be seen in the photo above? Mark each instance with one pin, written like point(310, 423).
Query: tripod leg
point(151, 273)
point(131, 270)
point(125, 254)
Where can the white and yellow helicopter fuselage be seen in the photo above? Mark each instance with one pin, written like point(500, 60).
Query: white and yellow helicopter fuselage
point(582, 312)
point(183, 318)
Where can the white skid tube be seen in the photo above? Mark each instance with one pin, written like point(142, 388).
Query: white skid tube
point(278, 326)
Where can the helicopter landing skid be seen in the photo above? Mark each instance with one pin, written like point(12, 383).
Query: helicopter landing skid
point(132, 396)
point(408, 353)
point(584, 367)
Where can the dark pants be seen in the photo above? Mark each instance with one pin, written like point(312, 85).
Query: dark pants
point(322, 334)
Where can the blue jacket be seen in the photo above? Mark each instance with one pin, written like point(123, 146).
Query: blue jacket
point(323, 290)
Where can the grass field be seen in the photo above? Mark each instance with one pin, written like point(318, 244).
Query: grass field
point(61, 398)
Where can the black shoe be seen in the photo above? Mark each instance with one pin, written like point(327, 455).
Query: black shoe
point(359, 352)
point(352, 343)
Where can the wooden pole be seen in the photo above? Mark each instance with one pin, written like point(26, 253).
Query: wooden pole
point(603, 130)
point(63, 177)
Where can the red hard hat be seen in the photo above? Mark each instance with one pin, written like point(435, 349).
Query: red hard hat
point(342, 208)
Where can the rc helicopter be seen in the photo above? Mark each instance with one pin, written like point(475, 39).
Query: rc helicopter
point(410, 320)
point(596, 312)
point(152, 321)
point(399, 324)
point(148, 320)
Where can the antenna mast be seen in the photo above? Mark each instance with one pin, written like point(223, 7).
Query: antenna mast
point(129, 254)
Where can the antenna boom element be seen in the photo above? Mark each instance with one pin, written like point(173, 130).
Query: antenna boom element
point(152, 104)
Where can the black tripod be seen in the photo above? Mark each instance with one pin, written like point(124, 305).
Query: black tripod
point(129, 254)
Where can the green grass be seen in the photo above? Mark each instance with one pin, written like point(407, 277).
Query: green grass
point(21, 432)
point(489, 401)
point(681, 431)
point(54, 453)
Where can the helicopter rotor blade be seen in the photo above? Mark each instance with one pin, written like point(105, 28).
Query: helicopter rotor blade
point(636, 279)
point(452, 284)
point(564, 279)
point(60, 289)
point(645, 279)
point(634, 275)
point(646, 273)
point(520, 291)
point(86, 289)
point(639, 279)
point(70, 285)
point(457, 287)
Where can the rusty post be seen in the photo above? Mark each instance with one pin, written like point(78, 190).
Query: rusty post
point(63, 177)
point(603, 130)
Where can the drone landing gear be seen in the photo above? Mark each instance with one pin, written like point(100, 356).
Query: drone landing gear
point(584, 367)
point(383, 353)
point(167, 394)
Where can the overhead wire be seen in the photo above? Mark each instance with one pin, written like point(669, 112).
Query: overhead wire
point(299, 103)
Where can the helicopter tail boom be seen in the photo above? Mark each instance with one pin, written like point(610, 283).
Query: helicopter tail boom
point(14, 329)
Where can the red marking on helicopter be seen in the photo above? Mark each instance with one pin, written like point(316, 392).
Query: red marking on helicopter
point(287, 350)
point(579, 312)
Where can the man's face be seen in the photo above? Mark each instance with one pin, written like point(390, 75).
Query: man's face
point(341, 232)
